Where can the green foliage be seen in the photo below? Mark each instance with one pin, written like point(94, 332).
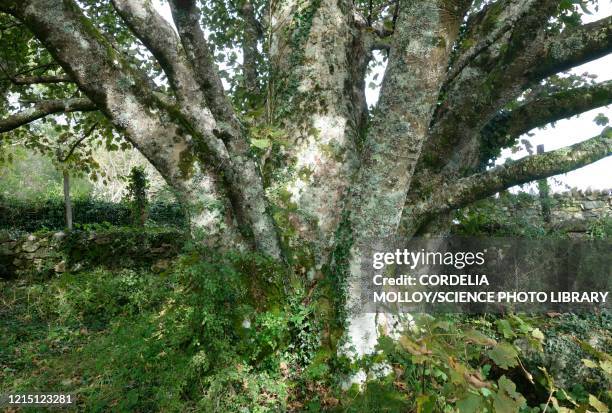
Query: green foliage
point(474, 364)
point(491, 217)
point(230, 333)
point(600, 228)
point(601, 119)
point(197, 337)
point(120, 247)
point(33, 215)
point(30, 176)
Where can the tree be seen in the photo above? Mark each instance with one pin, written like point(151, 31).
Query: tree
point(287, 159)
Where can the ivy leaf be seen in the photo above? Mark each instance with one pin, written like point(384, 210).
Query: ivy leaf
point(471, 404)
point(504, 355)
point(261, 143)
point(385, 344)
point(601, 119)
point(507, 399)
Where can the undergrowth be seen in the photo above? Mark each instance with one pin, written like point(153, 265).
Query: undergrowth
point(235, 333)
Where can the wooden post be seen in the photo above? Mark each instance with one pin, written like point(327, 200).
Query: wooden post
point(67, 201)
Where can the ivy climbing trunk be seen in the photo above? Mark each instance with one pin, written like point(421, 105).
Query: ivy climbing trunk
point(318, 61)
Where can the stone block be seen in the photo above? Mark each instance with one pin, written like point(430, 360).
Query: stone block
point(593, 205)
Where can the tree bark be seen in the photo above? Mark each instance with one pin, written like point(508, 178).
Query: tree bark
point(318, 62)
point(67, 200)
point(423, 38)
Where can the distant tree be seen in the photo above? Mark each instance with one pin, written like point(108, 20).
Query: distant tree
point(287, 159)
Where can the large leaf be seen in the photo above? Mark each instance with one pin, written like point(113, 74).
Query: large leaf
point(476, 337)
point(598, 405)
point(504, 355)
point(505, 329)
point(507, 399)
point(472, 403)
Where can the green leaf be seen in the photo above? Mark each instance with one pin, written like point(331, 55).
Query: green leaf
point(476, 337)
point(505, 329)
point(507, 399)
point(601, 119)
point(426, 404)
point(260, 143)
point(509, 387)
point(504, 355)
point(471, 404)
point(598, 405)
point(606, 365)
point(589, 363)
point(385, 344)
point(537, 333)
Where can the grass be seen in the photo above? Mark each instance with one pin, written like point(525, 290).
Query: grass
point(134, 341)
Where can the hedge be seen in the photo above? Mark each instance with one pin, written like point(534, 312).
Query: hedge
point(32, 216)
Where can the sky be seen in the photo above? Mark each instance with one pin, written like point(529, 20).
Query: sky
point(565, 132)
point(570, 131)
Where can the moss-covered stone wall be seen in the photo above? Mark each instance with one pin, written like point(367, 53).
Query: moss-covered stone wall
point(573, 211)
point(48, 253)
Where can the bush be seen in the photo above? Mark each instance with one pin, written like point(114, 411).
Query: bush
point(195, 338)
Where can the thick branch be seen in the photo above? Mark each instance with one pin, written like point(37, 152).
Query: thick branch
point(44, 108)
point(506, 26)
point(162, 41)
point(252, 34)
point(30, 80)
point(574, 47)
point(551, 108)
point(500, 74)
point(530, 168)
point(186, 15)
point(506, 127)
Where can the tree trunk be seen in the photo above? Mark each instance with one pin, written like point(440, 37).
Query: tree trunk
point(319, 60)
point(67, 200)
point(417, 64)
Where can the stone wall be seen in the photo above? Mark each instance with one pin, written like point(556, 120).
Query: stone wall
point(572, 211)
point(49, 253)
point(581, 205)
